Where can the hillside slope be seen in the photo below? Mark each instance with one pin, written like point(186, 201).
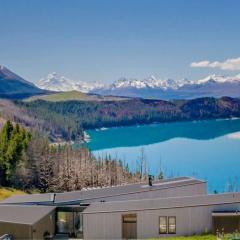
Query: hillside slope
point(56, 129)
point(75, 115)
point(73, 95)
point(13, 86)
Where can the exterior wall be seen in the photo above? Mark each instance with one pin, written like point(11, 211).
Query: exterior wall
point(46, 224)
point(102, 226)
point(188, 190)
point(189, 220)
point(19, 231)
point(24, 231)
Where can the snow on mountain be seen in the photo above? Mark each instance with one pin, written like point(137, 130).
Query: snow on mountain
point(212, 85)
point(55, 82)
point(164, 84)
point(151, 82)
point(152, 87)
point(219, 79)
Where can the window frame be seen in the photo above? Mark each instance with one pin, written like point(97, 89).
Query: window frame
point(175, 229)
point(166, 219)
point(129, 218)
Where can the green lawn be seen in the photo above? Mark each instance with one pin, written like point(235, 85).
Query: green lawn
point(73, 95)
point(196, 237)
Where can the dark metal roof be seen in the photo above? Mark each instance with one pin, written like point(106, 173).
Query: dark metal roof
point(30, 199)
point(164, 203)
point(88, 196)
point(22, 214)
point(91, 195)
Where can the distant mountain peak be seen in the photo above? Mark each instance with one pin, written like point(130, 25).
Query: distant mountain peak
point(219, 79)
point(15, 87)
point(149, 82)
point(56, 82)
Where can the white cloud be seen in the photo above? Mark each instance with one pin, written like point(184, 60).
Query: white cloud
point(229, 64)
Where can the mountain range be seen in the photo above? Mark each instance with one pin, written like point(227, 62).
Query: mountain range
point(13, 86)
point(53, 114)
point(152, 87)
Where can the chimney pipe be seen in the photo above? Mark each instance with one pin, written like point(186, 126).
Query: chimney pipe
point(150, 179)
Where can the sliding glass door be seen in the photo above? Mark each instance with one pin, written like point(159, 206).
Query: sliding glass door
point(70, 223)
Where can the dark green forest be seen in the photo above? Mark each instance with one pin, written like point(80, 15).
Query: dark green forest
point(68, 119)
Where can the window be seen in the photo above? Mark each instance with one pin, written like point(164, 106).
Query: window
point(162, 225)
point(129, 218)
point(171, 225)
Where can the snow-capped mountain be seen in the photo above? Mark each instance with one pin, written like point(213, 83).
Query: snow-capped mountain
point(151, 82)
point(151, 87)
point(55, 82)
point(219, 79)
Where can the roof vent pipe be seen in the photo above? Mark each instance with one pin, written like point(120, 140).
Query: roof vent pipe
point(150, 180)
point(53, 197)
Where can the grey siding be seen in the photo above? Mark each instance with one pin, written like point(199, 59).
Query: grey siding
point(193, 215)
point(46, 224)
point(19, 231)
point(27, 222)
point(190, 220)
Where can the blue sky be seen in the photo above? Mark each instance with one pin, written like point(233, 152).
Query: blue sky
point(103, 40)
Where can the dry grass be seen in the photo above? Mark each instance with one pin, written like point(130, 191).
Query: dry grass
point(8, 192)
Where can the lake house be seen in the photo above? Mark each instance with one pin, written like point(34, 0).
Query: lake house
point(177, 206)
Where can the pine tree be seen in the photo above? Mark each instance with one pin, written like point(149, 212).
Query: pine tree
point(13, 145)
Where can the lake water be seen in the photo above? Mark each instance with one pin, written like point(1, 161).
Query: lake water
point(209, 150)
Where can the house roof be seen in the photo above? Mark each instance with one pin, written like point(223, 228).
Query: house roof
point(23, 214)
point(163, 203)
point(91, 195)
point(88, 196)
point(29, 198)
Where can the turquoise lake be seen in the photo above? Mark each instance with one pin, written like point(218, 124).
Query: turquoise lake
point(209, 150)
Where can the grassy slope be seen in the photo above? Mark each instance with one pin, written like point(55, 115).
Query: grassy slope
point(8, 192)
point(73, 95)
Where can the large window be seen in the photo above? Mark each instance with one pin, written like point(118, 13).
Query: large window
point(162, 225)
point(69, 222)
point(171, 225)
point(167, 225)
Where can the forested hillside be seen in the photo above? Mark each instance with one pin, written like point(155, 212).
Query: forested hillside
point(58, 129)
point(28, 161)
point(73, 116)
point(66, 120)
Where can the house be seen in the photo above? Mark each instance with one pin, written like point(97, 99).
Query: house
point(153, 218)
point(177, 206)
point(27, 222)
